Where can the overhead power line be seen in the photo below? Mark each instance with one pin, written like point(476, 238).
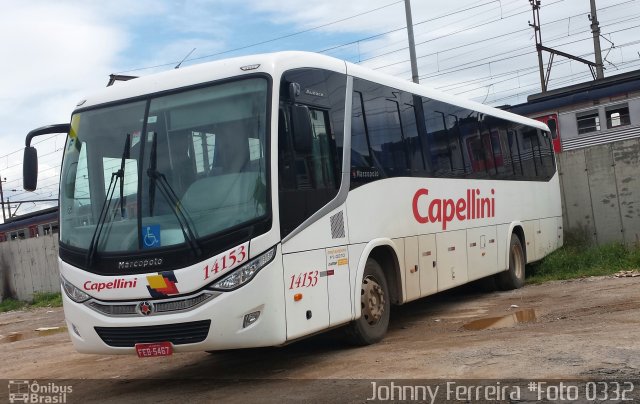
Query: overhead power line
point(265, 41)
point(482, 40)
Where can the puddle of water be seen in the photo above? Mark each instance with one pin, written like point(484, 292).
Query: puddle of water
point(509, 320)
point(460, 314)
point(39, 332)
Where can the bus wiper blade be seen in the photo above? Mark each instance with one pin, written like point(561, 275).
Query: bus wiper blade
point(153, 160)
point(186, 225)
point(108, 196)
point(125, 156)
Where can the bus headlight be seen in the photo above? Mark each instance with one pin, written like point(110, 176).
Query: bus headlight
point(244, 273)
point(74, 293)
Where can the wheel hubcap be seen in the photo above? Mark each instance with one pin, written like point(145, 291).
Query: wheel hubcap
point(372, 300)
point(516, 254)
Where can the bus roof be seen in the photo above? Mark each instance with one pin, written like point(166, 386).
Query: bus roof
point(275, 64)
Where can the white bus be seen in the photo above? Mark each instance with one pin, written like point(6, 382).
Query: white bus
point(257, 200)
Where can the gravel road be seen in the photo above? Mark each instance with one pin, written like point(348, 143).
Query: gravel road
point(580, 329)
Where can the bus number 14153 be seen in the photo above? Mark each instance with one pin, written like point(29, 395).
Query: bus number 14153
point(304, 280)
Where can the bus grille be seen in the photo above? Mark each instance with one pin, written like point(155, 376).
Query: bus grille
point(160, 306)
point(177, 334)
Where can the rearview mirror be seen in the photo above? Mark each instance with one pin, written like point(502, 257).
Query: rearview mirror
point(30, 169)
point(30, 159)
point(302, 129)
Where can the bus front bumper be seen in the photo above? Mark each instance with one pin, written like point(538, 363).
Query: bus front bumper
point(219, 323)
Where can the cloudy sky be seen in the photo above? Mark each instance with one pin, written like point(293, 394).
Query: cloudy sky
point(53, 52)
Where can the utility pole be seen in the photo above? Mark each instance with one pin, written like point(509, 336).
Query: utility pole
point(4, 217)
point(412, 44)
point(535, 6)
point(544, 76)
point(595, 29)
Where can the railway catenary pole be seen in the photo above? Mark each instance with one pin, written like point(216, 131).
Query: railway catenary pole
point(412, 44)
point(595, 30)
point(4, 216)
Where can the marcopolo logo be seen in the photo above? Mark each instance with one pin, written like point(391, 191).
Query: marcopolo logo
point(473, 206)
point(26, 391)
point(140, 263)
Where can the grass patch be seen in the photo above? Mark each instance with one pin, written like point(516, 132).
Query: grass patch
point(44, 299)
point(40, 299)
point(575, 261)
point(11, 304)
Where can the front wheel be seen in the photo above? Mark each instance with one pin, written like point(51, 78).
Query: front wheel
point(374, 302)
point(513, 278)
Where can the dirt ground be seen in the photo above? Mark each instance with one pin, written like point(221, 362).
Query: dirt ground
point(587, 329)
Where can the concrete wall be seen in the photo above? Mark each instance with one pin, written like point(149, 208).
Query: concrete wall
point(601, 192)
point(28, 266)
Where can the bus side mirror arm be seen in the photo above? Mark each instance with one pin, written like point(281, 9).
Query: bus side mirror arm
point(30, 159)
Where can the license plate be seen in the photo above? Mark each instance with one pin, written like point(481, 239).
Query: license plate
point(154, 349)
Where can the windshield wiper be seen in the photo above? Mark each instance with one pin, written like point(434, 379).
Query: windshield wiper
point(155, 176)
point(125, 156)
point(115, 176)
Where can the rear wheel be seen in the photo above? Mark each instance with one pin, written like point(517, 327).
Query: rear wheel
point(374, 302)
point(513, 278)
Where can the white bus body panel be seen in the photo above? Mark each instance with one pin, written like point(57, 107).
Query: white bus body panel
point(264, 293)
point(482, 252)
point(383, 209)
point(428, 267)
point(412, 268)
point(311, 312)
point(452, 259)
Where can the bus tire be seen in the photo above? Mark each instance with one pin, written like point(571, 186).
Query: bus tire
point(372, 325)
point(513, 278)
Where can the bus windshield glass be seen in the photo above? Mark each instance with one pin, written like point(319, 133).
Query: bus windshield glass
point(166, 170)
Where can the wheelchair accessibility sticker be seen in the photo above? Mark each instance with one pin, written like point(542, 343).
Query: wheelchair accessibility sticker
point(151, 236)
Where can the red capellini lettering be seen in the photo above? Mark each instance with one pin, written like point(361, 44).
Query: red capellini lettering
point(117, 283)
point(473, 206)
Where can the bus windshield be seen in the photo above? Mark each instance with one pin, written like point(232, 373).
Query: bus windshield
point(165, 170)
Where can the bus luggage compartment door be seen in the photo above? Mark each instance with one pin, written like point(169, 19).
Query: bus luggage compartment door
point(482, 252)
point(306, 293)
point(452, 258)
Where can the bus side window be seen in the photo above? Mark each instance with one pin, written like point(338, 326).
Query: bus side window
point(513, 141)
point(378, 116)
point(445, 138)
point(529, 152)
point(412, 119)
point(360, 149)
point(438, 145)
point(504, 164)
point(547, 163)
point(309, 176)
